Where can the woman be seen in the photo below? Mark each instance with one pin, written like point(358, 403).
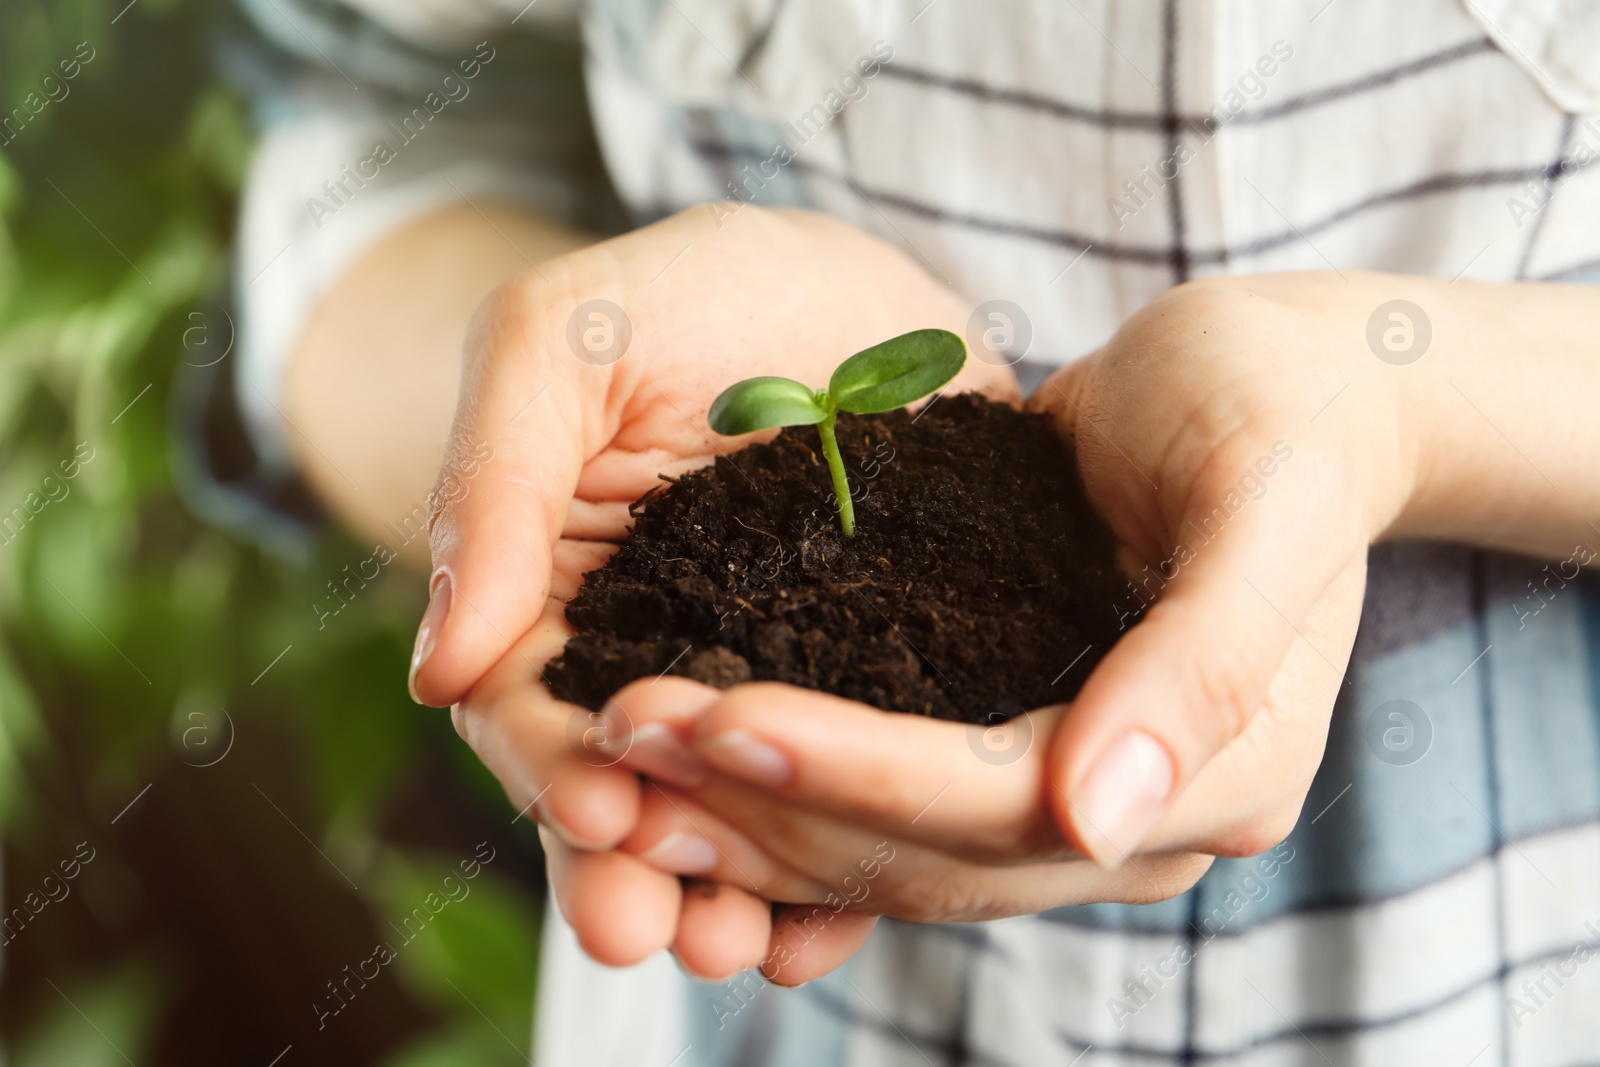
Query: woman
point(1300, 268)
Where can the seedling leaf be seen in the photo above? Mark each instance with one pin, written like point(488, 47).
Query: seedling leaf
point(881, 378)
point(893, 374)
point(761, 403)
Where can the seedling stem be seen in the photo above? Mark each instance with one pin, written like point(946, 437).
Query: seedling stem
point(881, 378)
point(841, 480)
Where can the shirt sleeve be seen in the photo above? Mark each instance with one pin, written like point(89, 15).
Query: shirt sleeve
point(351, 151)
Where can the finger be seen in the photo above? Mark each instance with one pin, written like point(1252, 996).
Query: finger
point(624, 476)
point(890, 876)
point(492, 543)
point(623, 911)
point(1279, 751)
point(722, 930)
point(658, 716)
point(572, 560)
point(833, 853)
point(948, 785)
point(823, 861)
point(525, 738)
point(597, 521)
point(679, 836)
point(809, 942)
point(1189, 677)
point(908, 880)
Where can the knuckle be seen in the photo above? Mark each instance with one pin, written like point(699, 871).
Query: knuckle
point(1257, 835)
point(1221, 338)
point(739, 706)
point(1222, 688)
point(705, 221)
point(951, 899)
point(1038, 840)
point(1212, 291)
point(1230, 421)
point(507, 314)
point(1222, 302)
point(1160, 878)
point(465, 456)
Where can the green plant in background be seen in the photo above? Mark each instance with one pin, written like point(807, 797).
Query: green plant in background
point(886, 376)
point(130, 630)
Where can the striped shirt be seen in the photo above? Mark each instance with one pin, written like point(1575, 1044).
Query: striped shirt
point(1061, 164)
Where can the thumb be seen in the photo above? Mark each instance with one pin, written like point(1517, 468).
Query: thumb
point(1187, 679)
point(515, 455)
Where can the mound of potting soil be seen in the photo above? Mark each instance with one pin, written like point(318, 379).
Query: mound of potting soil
point(979, 582)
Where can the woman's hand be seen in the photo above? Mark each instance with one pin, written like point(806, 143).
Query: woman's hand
point(1246, 446)
point(1246, 439)
point(581, 424)
point(806, 798)
point(590, 376)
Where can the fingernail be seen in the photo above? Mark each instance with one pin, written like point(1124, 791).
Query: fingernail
point(743, 756)
point(682, 853)
point(428, 631)
point(657, 752)
point(1123, 795)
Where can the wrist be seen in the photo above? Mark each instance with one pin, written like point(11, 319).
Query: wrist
point(1498, 406)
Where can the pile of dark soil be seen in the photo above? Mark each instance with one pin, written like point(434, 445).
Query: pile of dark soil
point(978, 574)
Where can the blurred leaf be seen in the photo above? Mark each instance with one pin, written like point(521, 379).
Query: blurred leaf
point(479, 952)
point(465, 1044)
point(20, 732)
point(95, 1025)
point(220, 137)
point(118, 609)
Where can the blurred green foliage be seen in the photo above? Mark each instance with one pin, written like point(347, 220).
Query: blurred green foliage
point(121, 613)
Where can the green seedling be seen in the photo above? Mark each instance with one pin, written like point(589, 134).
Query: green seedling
point(881, 378)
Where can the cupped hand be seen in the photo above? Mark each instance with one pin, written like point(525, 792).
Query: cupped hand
point(806, 798)
point(590, 377)
point(1246, 446)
